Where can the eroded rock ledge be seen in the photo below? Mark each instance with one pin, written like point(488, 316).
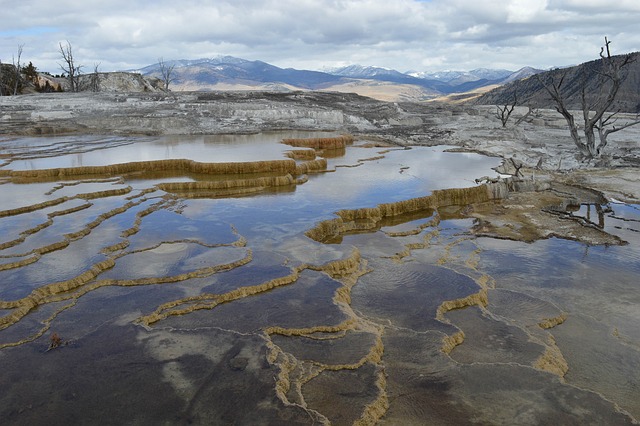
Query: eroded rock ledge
point(197, 113)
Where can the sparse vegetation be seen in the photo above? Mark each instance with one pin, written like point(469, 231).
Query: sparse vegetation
point(31, 73)
point(10, 75)
point(3, 84)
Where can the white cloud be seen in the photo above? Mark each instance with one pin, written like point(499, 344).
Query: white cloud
point(522, 11)
point(403, 34)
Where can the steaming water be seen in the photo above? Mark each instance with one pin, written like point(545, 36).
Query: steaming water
point(301, 352)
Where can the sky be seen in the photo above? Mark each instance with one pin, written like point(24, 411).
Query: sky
point(406, 35)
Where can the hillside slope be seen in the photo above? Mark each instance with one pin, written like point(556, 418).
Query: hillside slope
point(531, 92)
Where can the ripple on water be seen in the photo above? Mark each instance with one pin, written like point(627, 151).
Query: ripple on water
point(409, 295)
point(522, 309)
point(306, 303)
point(490, 341)
point(349, 348)
point(342, 395)
point(510, 394)
point(218, 363)
point(603, 360)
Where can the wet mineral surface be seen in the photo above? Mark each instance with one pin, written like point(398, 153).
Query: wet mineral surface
point(324, 280)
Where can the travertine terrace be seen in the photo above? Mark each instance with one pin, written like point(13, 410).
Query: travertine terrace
point(361, 276)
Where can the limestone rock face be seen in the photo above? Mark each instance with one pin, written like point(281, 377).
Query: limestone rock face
point(54, 83)
point(91, 82)
point(121, 82)
point(130, 104)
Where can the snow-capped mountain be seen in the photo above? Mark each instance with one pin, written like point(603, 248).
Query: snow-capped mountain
point(232, 70)
point(204, 73)
point(463, 76)
point(360, 71)
point(522, 73)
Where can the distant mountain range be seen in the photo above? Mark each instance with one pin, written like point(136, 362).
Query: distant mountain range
point(453, 79)
point(231, 72)
point(458, 77)
point(481, 86)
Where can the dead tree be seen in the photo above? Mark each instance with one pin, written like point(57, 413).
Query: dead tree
point(70, 68)
point(524, 117)
point(517, 166)
point(595, 113)
point(503, 113)
point(95, 79)
point(166, 71)
point(17, 67)
point(610, 120)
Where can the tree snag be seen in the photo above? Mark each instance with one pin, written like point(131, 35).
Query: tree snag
point(70, 68)
point(595, 107)
point(503, 113)
point(166, 71)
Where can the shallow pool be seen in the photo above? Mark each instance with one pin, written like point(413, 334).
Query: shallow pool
point(123, 303)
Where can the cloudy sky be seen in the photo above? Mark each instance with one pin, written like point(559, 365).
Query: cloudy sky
point(419, 35)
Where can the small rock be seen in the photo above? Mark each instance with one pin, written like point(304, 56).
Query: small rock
point(238, 363)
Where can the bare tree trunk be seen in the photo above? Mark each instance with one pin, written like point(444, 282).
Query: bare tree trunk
point(166, 72)
point(504, 113)
point(524, 117)
point(69, 66)
point(95, 79)
point(554, 90)
point(611, 77)
point(591, 145)
point(604, 132)
point(17, 67)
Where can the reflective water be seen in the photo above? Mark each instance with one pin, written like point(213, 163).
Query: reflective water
point(39, 153)
point(121, 303)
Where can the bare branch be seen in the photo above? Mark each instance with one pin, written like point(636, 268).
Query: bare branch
point(69, 67)
point(595, 108)
point(504, 113)
point(517, 167)
point(17, 67)
point(95, 78)
point(524, 117)
point(624, 126)
point(606, 45)
point(166, 71)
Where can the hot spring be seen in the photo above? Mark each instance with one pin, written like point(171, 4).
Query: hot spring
point(236, 279)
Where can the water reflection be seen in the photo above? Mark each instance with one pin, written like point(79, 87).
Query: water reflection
point(47, 153)
point(224, 307)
